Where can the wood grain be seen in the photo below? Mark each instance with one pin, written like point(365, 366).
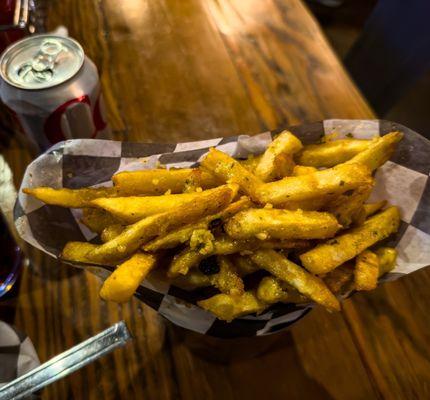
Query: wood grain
point(182, 70)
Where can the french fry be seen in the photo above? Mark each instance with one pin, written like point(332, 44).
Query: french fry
point(270, 291)
point(387, 259)
point(77, 252)
point(379, 151)
point(134, 236)
point(266, 223)
point(224, 245)
point(328, 182)
point(331, 153)
point(182, 235)
point(72, 198)
point(227, 279)
point(277, 161)
point(97, 220)
point(316, 204)
point(250, 163)
point(366, 271)
point(244, 265)
point(300, 170)
point(228, 307)
point(372, 208)
point(289, 272)
point(327, 256)
point(134, 208)
point(338, 278)
point(348, 209)
point(111, 232)
point(123, 282)
point(159, 181)
point(229, 170)
point(193, 280)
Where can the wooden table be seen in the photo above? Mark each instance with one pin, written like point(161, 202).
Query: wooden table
point(192, 69)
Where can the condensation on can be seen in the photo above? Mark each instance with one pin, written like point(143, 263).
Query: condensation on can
point(53, 90)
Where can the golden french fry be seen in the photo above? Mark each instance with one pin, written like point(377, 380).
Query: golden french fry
point(387, 259)
point(328, 182)
point(182, 235)
point(250, 163)
point(123, 282)
point(224, 245)
point(269, 223)
point(348, 208)
point(366, 271)
point(270, 291)
point(372, 208)
point(338, 278)
point(134, 208)
point(289, 272)
point(97, 220)
point(277, 161)
point(244, 265)
point(228, 307)
point(227, 280)
point(379, 151)
point(134, 236)
point(73, 198)
point(331, 153)
point(229, 170)
point(300, 170)
point(77, 252)
point(193, 280)
point(202, 240)
point(159, 181)
point(111, 232)
point(329, 255)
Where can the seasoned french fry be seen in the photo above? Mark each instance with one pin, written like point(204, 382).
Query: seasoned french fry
point(77, 251)
point(387, 259)
point(134, 236)
point(159, 181)
point(366, 271)
point(270, 291)
point(250, 163)
point(348, 209)
point(339, 277)
point(182, 235)
point(379, 151)
point(134, 208)
point(328, 182)
point(372, 208)
point(277, 161)
point(266, 223)
point(289, 272)
point(229, 170)
point(193, 280)
point(73, 198)
point(244, 265)
point(224, 245)
point(331, 153)
point(228, 307)
point(97, 220)
point(300, 170)
point(111, 232)
point(123, 282)
point(227, 279)
point(327, 256)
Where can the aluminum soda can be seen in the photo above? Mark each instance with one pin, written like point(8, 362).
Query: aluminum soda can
point(53, 90)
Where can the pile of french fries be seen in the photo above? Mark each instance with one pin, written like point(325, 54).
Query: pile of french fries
point(295, 216)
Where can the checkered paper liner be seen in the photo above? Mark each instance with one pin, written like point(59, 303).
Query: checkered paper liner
point(17, 354)
point(403, 181)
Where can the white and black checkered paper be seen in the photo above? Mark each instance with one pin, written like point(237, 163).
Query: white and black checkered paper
point(17, 354)
point(403, 181)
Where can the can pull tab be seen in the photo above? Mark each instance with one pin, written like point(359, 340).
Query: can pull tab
point(41, 67)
